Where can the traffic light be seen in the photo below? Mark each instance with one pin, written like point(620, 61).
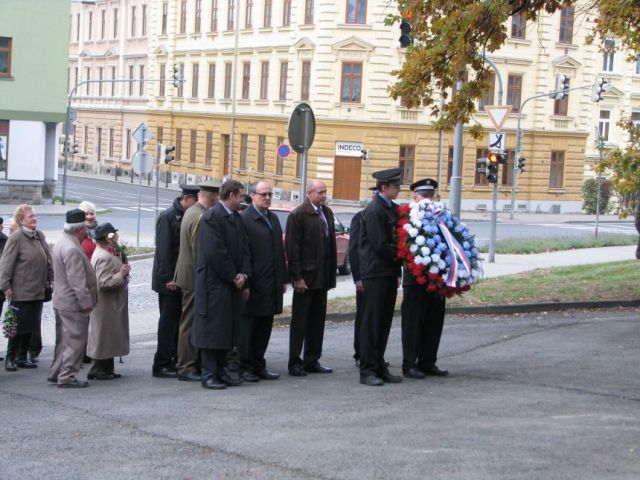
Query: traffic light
point(178, 74)
point(497, 158)
point(405, 34)
point(522, 164)
point(482, 165)
point(599, 88)
point(493, 163)
point(75, 149)
point(168, 153)
point(562, 87)
point(364, 154)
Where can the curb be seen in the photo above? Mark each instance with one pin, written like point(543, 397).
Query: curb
point(141, 256)
point(497, 309)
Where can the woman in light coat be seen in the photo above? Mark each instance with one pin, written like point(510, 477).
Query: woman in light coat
point(26, 270)
point(109, 320)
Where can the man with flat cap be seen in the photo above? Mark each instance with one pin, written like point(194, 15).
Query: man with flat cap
point(380, 272)
point(422, 313)
point(75, 294)
point(187, 364)
point(162, 282)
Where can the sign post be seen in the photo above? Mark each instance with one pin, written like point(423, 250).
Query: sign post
point(142, 162)
point(302, 131)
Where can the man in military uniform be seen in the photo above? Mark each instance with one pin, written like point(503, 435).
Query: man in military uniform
point(162, 282)
point(422, 313)
point(380, 273)
point(185, 276)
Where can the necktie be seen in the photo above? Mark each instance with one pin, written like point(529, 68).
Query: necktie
point(266, 219)
point(324, 220)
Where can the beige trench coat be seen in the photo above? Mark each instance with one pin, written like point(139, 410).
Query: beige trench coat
point(109, 321)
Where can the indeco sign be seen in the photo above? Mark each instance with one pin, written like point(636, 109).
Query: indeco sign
point(348, 149)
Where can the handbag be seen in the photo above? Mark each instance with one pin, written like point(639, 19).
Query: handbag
point(48, 294)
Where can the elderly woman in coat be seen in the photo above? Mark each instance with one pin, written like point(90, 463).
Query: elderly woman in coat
point(26, 270)
point(109, 321)
point(89, 243)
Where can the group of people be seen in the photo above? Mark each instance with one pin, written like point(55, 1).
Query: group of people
point(221, 271)
point(86, 277)
point(221, 268)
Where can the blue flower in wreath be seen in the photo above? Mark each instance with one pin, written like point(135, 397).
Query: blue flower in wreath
point(431, 243)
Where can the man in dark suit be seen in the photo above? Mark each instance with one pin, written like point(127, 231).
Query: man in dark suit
point(310, 244)
point(222, 275)
point(422, 313)
point(162, 282)
point(268, 283)
point(380, 273)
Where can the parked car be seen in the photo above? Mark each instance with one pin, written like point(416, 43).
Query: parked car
point(342, 235)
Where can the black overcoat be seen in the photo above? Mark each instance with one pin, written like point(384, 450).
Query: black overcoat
point(167, 247)
point(354, 246)
point(305, 247)
point(268, 265)
point(378, 249)
point(223, 252)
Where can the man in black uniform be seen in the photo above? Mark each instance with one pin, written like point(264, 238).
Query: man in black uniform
point(422, 313)
point(169, 295)
point(380, 272)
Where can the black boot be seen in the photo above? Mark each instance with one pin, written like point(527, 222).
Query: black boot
point(9, 362)
point(21, 352)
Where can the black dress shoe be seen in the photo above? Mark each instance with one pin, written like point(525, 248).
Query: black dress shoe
point(315, 367)
point(86, 359)
point(388, 377)
point(25, 364)
point(116, 375)
point(190, 377)
point(164, 372)
point(228, 380)
point(100, 376)
point(434, 371)
point(32, 358)
point(249, 377)
point(75, 384)
point(371, 381)
point(52, 379)
point(297, 371)
point(413, 373)
point(213, 384)
point(10, 365)
point(268, 375)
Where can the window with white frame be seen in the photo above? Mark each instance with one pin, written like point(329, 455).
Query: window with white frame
point(637, 69)
point(635, 118)
point(609, 56)
point(604, 124)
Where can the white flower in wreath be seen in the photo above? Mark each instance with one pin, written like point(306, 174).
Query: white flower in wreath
point(420, 240)
point(435, 258)
point(418, 260)
point(434, 269)
point(407, 227)
point(425, 252)
point(413, 248)
point(413, 233)
point(441, 264)
point(415, 221)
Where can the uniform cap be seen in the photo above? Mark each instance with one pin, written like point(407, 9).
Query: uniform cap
point(426, 185)
point(210, 185)
point(191, 190)
point(75, 216)
point(391, 175)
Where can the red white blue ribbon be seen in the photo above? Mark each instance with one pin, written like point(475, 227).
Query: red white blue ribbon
point(458, 258)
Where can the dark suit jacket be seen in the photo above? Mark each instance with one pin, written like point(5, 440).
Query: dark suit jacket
point(305, 246)
point(354, 248)
point(167, 247)
point(223, 252)
point(268, 265)
point(378, 249)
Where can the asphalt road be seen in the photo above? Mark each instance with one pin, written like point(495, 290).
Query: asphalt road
point(530, 397)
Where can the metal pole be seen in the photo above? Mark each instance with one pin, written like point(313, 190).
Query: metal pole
point(598, 180)
point(494, 221)
point(158, 153)
point(440, 157)
point(66, 152)
point(305, 152)
point(139, 195)
point(456, 174)
point(234, 76)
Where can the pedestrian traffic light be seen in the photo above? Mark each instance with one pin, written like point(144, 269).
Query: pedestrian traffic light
point(178, 74)
point(599, 88)
point(405, 34)
point(493, 164)
point(75, 149)
point(562, 87)
point(521, 164)
point(168, 153)
point(482, 165)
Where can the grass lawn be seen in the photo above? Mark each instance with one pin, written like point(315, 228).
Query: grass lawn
point(605, 281)
point(553, 244)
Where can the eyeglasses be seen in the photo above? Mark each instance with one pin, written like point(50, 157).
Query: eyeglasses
point(264, 194)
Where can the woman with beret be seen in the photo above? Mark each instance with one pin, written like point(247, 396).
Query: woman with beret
point(26, 270)
point(109, 320)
